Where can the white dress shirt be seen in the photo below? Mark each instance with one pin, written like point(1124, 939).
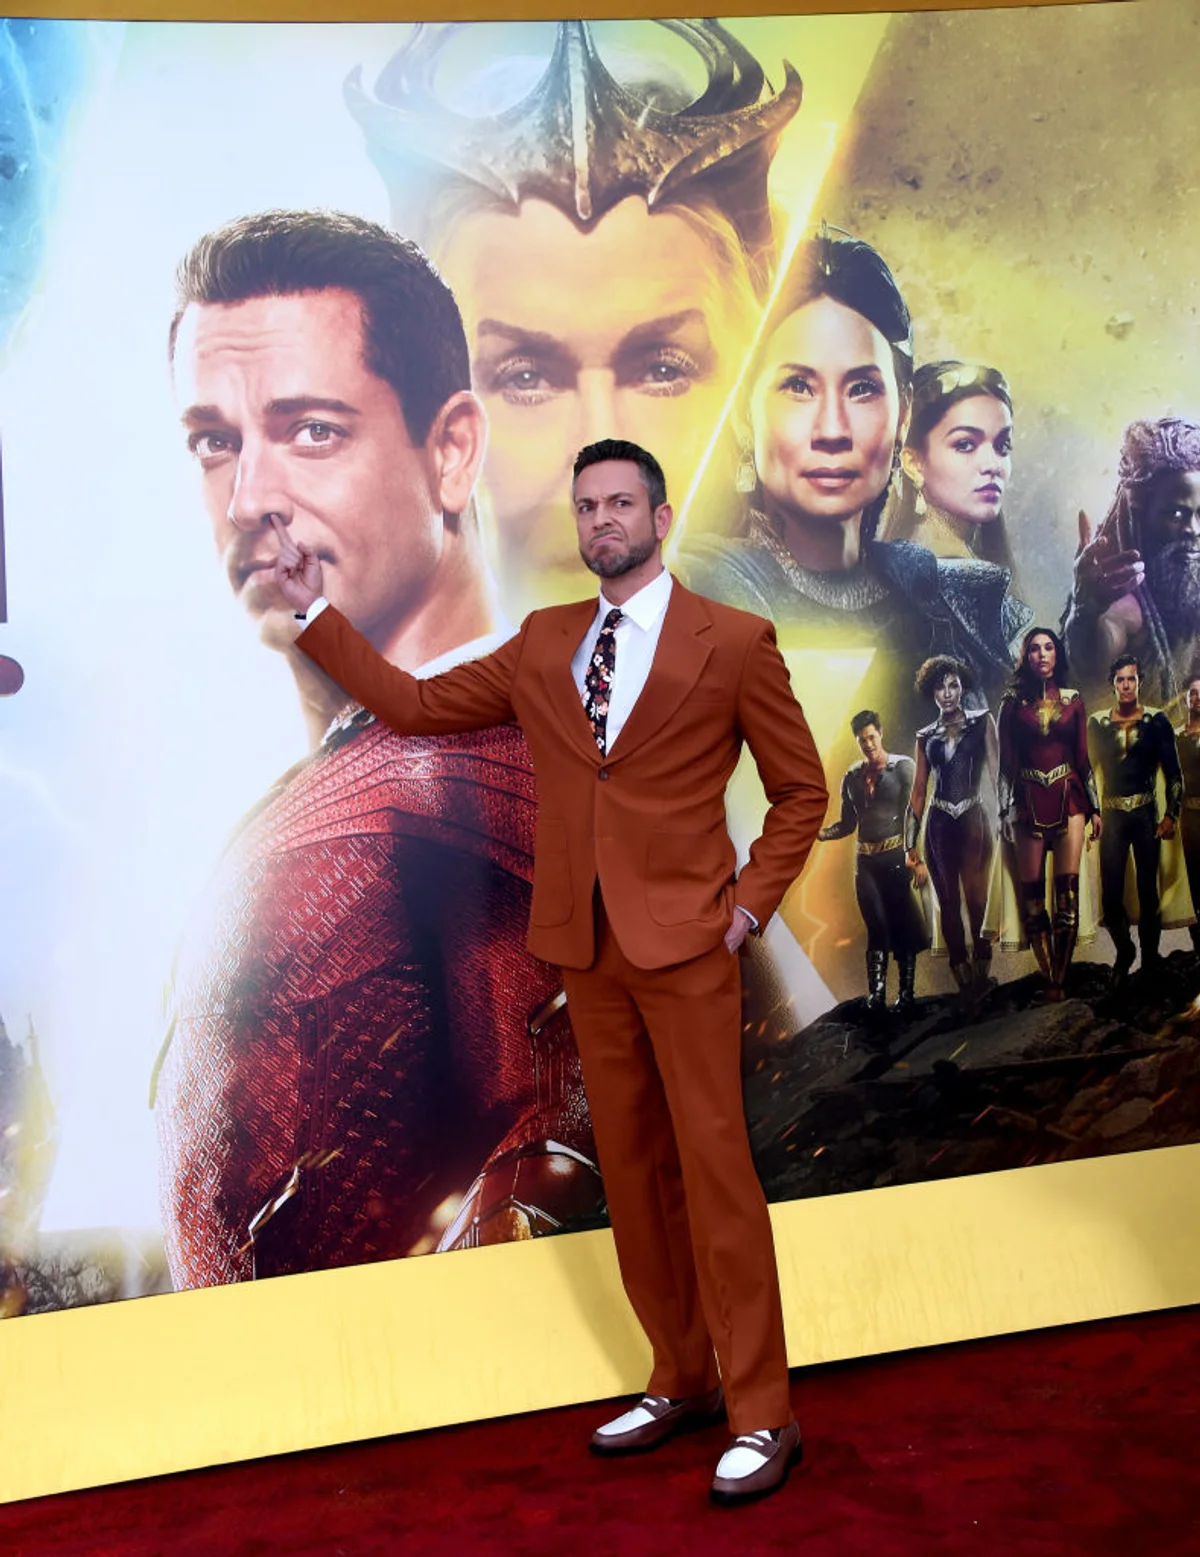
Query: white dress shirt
point(637, 638)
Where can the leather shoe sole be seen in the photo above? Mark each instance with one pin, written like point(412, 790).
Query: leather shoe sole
point(683, 1416)
point(770, 1476)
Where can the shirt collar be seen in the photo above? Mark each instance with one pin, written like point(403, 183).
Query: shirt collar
point(647, 605)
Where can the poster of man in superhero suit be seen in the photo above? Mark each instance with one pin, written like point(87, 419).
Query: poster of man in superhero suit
point(876, 798)
point(356, 976)
point(915, 364)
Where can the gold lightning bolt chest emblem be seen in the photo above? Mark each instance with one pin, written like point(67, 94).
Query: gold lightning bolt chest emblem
point(1128, 735)
point(1047, 711)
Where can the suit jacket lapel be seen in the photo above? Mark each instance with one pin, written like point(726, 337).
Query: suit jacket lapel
point(561, 690)
point(684, 646)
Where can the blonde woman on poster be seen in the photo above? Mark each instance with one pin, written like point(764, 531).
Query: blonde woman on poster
point(608, 237)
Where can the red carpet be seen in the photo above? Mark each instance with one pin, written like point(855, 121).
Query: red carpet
point(1084, 1440)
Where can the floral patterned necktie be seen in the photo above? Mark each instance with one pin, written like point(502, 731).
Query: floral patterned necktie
point(597, 683)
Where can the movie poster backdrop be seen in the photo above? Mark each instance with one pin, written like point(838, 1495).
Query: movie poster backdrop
point(908, 312)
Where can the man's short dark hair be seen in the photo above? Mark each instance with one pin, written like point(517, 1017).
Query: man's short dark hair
point(413, 336)
point(1119, 664)
point(649, 469)
point(861, 720)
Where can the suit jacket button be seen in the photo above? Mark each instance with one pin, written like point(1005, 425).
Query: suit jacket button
point(603, 773)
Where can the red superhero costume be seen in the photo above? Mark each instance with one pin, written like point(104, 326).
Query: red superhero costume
point(357, 1029)
point(1045, 770)
point(1046, 779)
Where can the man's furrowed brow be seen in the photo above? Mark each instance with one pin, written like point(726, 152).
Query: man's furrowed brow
point(294, 405)
point(517, 332)
point(667, 325)
point(202, 416)
point(288, 405)
point(519, 335)
point(605, 497)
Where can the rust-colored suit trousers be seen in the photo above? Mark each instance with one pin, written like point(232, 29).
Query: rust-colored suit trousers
point(661, 1052)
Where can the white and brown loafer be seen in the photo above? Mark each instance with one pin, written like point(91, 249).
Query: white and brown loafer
point(756, 1464)
point(654, 1419)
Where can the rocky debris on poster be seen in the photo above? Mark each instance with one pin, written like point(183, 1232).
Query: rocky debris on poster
point(845, 1105)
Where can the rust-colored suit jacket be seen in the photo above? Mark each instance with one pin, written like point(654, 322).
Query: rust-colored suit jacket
point(647, 819)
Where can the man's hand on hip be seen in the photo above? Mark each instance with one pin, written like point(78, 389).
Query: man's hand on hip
point(739, 929)
point(297, 569)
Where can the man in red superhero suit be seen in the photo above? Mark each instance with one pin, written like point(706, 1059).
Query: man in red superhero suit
point(363, 1061)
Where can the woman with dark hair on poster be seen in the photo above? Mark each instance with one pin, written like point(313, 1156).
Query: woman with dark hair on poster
point(956, 462)
point(1047, 795)
point(957, 751)
point(825, 407)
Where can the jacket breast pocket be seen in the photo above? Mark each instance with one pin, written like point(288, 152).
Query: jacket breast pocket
point(553, 897)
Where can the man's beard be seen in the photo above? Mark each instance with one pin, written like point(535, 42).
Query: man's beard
point(615, 564)
point(1173, 580)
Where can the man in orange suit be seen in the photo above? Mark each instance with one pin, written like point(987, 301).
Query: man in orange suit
point(635, 708)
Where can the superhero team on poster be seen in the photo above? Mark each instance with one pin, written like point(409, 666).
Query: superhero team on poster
point(362, 1060)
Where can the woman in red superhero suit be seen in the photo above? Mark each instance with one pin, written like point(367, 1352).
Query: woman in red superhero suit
point(1047, 797)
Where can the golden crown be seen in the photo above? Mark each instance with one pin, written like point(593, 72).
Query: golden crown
point(579, 139)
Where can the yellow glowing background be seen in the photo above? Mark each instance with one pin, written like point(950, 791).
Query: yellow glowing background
point(117, 602)
point(1039, 218)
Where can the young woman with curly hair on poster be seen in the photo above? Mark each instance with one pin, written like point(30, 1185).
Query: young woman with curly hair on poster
point(956, 754)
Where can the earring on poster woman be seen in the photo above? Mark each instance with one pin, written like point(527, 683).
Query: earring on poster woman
point(746, 479)
point(916, 479)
